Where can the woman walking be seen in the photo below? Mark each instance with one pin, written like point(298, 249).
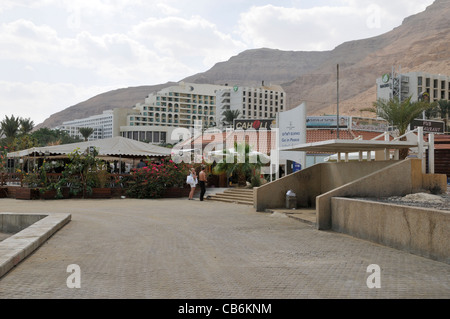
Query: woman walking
point(192, 181)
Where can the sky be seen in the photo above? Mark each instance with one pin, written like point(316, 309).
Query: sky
point(57, 53)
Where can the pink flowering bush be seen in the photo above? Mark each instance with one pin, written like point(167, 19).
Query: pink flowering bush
point(151, 181)
point(3, 158)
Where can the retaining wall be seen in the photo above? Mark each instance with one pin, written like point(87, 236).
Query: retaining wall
point(416, 230)
point(399, 179)
point(313, 181)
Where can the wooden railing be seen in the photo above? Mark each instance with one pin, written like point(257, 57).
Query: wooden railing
point(11, 179)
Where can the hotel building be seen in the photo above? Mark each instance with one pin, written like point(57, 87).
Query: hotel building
point(105, 125)
point(413, 84)
point(262, 102)
point(170, 108)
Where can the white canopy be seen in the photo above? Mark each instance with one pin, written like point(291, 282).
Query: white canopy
point(116, 146)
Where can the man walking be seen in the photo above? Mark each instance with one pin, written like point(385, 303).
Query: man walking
point(202, 182)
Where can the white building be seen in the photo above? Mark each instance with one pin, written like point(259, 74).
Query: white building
point(262, 102)
point(170, 108)
point(105, 125)
point(413, 84)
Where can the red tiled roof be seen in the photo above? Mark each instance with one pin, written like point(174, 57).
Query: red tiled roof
point(312, 135)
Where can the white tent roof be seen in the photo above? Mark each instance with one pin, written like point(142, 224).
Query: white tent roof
point(116, 146)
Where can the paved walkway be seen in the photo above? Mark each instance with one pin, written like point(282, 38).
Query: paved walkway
point(175, 248)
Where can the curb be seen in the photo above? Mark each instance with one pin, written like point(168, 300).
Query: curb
point(17, 247)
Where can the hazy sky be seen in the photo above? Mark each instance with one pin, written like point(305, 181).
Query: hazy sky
point(57, 53)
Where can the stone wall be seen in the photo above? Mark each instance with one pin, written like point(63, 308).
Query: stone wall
point(420, 231)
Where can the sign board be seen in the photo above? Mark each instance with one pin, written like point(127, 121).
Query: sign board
point(245, 124)
point(326, 122)
point(292, 127)
point(369, 124)
point(296, 167)
point(429, 126)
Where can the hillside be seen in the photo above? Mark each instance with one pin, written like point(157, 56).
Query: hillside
point(421, 43)
point(121, 98)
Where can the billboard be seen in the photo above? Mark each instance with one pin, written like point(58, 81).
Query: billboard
point(292, 127)
point(369, 124)
point(326, 122)
point(245, 124)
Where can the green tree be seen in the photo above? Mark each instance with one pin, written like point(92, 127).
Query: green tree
point(240, 161)
point(230, 115)
point(400, 114)
point(86, 132)
point(26, 126)
point(444, 109)
point(9, 127)
point(46, 136)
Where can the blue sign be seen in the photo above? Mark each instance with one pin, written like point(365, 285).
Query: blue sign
point(296, 167)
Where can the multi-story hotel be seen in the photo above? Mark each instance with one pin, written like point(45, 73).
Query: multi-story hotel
point(262, 102)
point(172, 107)
point(418, 85)
point(179, 106)
point(105, 125)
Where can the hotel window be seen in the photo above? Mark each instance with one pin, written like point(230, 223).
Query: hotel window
point(427, 82)
point(442, 85)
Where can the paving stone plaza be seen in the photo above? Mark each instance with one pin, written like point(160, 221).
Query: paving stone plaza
point(180, 249)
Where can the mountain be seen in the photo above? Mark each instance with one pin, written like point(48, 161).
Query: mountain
point(120, 98)
point(420, 43)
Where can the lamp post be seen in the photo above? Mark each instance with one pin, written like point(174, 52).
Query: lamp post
point(337, 103)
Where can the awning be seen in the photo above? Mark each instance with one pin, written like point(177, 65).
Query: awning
point(116, 146)
point(348, 146)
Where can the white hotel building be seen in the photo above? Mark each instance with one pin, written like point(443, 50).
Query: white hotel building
point(105, 125)
point(414, 84)
point(262, 102)
point(178, 106)
point(170, 108)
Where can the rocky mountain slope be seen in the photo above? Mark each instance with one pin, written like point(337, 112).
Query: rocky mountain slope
point(421, 43)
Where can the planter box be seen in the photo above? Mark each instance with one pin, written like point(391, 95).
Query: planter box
point(100, 193)
point(51, 194)
point(27, 193)
point(177, 192)
point(117, 192)
point(48, 194)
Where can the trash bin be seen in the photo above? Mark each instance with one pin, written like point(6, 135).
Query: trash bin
point(291, 200)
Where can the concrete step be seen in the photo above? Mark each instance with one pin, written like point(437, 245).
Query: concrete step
point(234, 195)
point(230, 200)
point(239, 190)
point(239, 196)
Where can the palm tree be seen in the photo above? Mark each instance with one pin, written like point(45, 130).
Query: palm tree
point(400, 114)
point(86, 132)
point(10, 127)
point(444, 108)
point(243, 167)
point(26, 126)
point(230, 115)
